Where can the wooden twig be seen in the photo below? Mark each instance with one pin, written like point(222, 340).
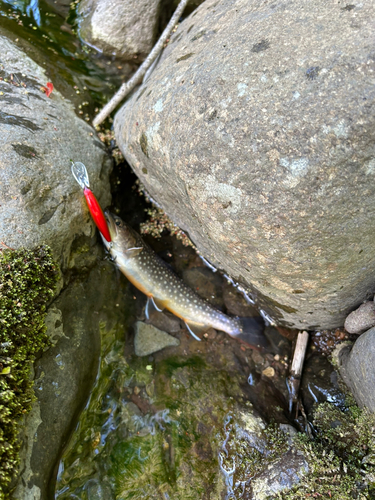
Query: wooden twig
point(294, 378)
point(140, 73)
point(9, 248)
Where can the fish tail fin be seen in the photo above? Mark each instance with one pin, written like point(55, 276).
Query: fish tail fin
point(251, 332)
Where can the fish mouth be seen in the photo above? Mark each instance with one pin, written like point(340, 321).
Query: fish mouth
point(112, 228)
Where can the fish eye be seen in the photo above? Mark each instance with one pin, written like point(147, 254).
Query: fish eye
point(118, 222)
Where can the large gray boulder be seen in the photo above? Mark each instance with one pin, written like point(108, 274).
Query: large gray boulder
point(40, 202)
point(255, 133)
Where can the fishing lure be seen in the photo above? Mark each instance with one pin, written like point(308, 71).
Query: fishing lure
point(81, 176)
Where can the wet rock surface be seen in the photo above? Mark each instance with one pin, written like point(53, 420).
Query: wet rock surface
point(279, 105)
point(281, 475)
point(40, 201)
point(320, 383)
point(125, 29)
point(356, 364)
point(64, 375)
point(361, 319)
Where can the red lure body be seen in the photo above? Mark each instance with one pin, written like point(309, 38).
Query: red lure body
point(97, 213)
point(48, 89)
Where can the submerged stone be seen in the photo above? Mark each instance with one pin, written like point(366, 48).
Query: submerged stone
point(149, 339)
point(281, 475)
point(178, 425)
point(64, 374)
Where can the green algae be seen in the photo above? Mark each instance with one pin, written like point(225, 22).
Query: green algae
point(166, 426)
point(152, 429)
point(27, 282)
point(179, 457)
point(341, 458)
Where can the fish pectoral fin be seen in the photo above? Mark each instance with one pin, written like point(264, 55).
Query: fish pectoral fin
point(158, 304)
point(152, 305)
point(133, 252)
point(196, 329)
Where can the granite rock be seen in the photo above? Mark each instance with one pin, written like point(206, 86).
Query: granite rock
point(149, 339)
point(255, 133)
point(40, 202)
point(361, 319)
point(356, 365)
point(124, 28)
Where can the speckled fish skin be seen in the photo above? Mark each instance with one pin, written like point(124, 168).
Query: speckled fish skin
point(150, 274)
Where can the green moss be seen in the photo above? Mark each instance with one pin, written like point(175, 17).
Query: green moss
point(341, 458)
point(27, 282)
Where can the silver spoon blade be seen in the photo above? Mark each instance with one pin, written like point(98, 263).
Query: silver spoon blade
point(80, 174)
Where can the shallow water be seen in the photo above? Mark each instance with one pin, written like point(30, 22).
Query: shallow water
point(168, 426)
point(44, 32)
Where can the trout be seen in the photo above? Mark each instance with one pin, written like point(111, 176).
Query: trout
point(165, 290)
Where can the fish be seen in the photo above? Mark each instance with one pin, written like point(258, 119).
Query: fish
point(81, 176)
point(165, 290)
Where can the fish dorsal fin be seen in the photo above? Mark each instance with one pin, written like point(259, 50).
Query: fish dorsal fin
point(195, 329)
point(133, 252)
point(152, 305)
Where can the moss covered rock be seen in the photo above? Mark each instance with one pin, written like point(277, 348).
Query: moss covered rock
point(341, 458)
point(27, 282)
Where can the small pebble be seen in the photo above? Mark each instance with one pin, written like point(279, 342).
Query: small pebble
point(149, 339)
point(269, 372)
point(257, 358)
point(361, 319)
